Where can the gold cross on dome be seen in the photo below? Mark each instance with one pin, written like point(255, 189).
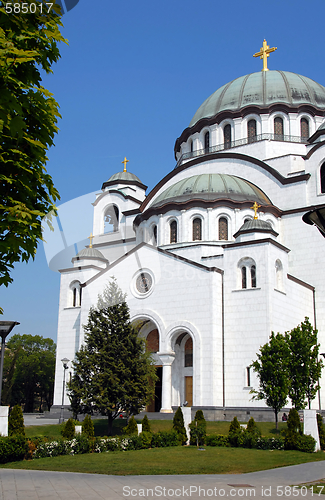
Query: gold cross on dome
point(264, 54)
point(255, 207)
point(125, 161)
point(91, 237)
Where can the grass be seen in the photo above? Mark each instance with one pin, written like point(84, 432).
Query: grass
point(175, 460)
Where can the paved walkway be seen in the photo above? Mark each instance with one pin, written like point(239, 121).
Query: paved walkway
point(39, 485)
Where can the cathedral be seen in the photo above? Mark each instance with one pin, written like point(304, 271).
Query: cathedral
point(216, 256)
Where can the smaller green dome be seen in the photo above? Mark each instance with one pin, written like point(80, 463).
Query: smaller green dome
point(90, 252)
point(123, 176)
point(212, 187)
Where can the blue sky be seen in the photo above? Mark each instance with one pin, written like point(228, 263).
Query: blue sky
point(128, 84)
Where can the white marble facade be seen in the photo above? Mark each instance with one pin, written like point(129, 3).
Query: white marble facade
point(209, 281)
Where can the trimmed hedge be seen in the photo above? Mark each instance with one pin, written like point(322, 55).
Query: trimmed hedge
point(13, 448)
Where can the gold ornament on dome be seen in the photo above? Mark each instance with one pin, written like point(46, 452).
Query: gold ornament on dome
point(264, 54)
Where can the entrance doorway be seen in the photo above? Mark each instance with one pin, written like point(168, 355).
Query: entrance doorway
point(189, 390)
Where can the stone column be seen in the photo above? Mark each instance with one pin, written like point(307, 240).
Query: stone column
point(166, 396)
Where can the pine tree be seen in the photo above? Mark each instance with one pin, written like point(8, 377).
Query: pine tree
point(234, 426)
point(178, 426)
point(132, 427)
point(145, 424)
point(69, 429)
point(88, 427)
point(198, 429)
point(113, 373)
point(16, 422)
point(293, 430)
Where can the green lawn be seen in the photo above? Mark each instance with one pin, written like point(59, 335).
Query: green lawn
point(175, 460)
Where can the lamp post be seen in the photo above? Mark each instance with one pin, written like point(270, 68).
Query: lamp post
point(65, 362)
point(5, 329)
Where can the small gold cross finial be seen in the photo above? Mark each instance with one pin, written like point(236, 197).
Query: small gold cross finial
point(264, 54)
point(91, 237)
point(255, 207)
point(125, 161)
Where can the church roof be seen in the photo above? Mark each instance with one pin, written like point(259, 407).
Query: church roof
point(124, 178)
point(262, 89)
point(256, 225)
point(212, 187)
point(90, 252)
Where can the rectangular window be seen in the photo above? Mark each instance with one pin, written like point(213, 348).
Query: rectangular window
point(248, 375)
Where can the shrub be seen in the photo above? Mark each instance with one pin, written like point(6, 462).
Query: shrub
point(163, 439)
point(198, 429)
point(13, 448)
point(252, 428)
point(178, 426)
point(235, 434)
point(293, 430)
point(146, 438)
point(131, 428)
point(145, 424)
point(305, 443)
point(265, 443)
point(250, 435)
point(88, 427)
point(321, 431)
point(68, 430)
point(16, 422)
point(217, 440)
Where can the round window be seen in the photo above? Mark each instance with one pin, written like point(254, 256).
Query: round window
point(144, 282)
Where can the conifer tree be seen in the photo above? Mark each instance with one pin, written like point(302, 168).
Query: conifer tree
point(113, 373)
point(132, 427)
point(178, 426)
point(88, 427)
point(69, 429)
point(16, 422)
point(145, 424)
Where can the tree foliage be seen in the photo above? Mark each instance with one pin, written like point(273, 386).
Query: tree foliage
point(28, 123)
point(88, 427)
point(29, 368)
point(304, 366)
point(146, 424)
point(198, 429)
point(271, 367)
point(112, 370)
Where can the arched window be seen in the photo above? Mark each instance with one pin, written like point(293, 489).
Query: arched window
point(227, 136)
point(76, 293)
point(223, 228)
point(304, 128)
point(153, 341)
point(278, 128)
point(253, 276)
point(322, 178)
point(111, 219)
point(207, 141)
point(197, 229)
point(243, 277)
point(278, 275)
point(173, 232)
point(154, 232)
point(251, 130)
point(188, 351)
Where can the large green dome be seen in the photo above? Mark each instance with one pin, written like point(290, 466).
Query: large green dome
point(262, 89)
point(212, 187)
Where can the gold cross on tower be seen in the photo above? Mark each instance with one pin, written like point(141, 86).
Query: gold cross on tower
point(264, 54)
point(91, 237)
point(125, 161)
point(255, 207)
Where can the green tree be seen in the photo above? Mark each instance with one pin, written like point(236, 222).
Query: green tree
point(88, 427)
point(198, 429)
point(146, 424)
point(272, 370)
point(28, 123)
point(16, 422)
point(69, 429)
point(178, 426)
point(29, 372)
point(132, 427)
point(112, 370)
point(293, 430)
point(304, 366)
